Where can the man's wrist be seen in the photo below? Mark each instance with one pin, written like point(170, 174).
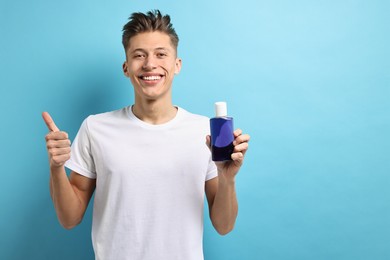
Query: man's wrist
point(229, 181)
point(55, 170)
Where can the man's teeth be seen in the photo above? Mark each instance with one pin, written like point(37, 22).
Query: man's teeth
point(151, 77)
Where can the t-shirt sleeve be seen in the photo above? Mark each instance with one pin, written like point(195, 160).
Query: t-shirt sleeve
point(81, 158)
point(211, 170)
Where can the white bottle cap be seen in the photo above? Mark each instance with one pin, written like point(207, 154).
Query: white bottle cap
point(220, 109)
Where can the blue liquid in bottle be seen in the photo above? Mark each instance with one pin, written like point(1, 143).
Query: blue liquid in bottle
point(221, 129)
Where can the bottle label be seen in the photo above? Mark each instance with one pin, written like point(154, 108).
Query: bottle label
point(221, 138)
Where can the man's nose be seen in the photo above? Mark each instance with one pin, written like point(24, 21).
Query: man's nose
point(150, 63)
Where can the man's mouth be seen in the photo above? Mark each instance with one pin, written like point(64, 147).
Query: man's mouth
point(151, 78)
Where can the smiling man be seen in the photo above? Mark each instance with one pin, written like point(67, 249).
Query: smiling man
point(151, 63)
point(147, 163)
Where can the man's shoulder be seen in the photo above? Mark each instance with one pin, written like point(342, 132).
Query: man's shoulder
point(193, 116)
point(105, 117)
point(109, 114)
point(195, 123)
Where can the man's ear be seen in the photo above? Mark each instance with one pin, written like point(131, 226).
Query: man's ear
point(125, 69)
point(178, 65)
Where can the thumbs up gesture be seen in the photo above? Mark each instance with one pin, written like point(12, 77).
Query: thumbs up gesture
point(57, 143)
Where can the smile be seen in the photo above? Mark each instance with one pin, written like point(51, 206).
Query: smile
point(151, 78)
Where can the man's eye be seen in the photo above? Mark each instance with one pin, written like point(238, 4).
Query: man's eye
point(161, 55)
point(137, 56)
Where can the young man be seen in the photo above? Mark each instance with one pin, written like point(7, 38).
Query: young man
point(147, 164)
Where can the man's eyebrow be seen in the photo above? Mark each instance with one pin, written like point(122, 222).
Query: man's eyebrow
point(138, 49)
point(156, 49)
point(162, 49)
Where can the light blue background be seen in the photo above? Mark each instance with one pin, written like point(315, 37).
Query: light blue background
point(309, 80)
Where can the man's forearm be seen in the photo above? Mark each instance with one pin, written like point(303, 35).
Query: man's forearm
point(66, 202)
point(225, 207)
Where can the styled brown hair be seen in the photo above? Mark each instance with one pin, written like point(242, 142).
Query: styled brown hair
point(150, 22)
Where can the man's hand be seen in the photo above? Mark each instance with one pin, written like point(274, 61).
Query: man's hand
point(57, 143)
point(229, 169)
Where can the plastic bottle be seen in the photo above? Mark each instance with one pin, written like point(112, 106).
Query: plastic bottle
point(222, 137)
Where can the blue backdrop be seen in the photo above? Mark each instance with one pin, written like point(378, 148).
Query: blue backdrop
point(309, 80)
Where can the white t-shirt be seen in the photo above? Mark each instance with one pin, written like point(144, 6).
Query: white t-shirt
point(149, 184)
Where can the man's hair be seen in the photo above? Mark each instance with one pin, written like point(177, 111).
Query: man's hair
point(150, 22)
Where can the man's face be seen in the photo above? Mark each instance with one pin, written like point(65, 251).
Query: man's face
point(151, 64)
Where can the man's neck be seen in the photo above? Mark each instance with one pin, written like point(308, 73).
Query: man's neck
point(154, 112)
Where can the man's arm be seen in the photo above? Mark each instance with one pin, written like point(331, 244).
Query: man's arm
point(221, 192)
point(70, 195)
